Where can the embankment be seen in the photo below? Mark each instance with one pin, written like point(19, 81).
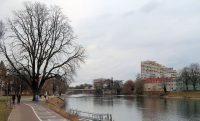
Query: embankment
point(56, 104)
point(185, 94)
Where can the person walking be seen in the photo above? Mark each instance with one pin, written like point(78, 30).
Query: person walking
point(36, 99)
point(18, 98)
point(45, 96)
point(13, 99)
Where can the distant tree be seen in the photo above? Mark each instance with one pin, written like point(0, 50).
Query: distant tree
point(117, 87)
point(17, 83)
point(42, 45)
point(185, 76)
point(98, 89)
point(190, 75)
point(194, 74)
point(98, 92)
point(128, 87)
point(139, 86)
point(83, 86)
point(62, 86)
point(54, 85)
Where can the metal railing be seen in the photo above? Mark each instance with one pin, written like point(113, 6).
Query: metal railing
point(91, 116)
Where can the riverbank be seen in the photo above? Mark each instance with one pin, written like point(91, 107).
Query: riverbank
point(182, 95)
point(186, 95)
point(56, 104)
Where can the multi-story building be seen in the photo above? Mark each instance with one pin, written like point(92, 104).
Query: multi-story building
point(151, 69)
point(157, 84)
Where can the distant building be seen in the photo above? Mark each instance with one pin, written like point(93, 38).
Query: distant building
point(157, 84)
point(152, 69)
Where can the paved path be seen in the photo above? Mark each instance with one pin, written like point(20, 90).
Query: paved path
point(22, 112)
point(28, 111)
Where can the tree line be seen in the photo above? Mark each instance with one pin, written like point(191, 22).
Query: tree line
point(190, 75)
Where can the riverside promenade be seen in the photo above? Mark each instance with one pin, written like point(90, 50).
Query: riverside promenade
point(28, 111)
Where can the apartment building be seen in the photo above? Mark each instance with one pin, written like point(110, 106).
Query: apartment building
point(157, 84)
point(152, 69)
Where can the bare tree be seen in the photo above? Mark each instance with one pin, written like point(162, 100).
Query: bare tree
point(17, 84)
point(129, 87)
point(42, 45)
point(190, 75)
point(62, 86)
point(194, 74)
point(184, 76)
point(2, 29)
point(139, 84)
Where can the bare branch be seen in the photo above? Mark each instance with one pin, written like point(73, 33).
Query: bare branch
point(43, 45)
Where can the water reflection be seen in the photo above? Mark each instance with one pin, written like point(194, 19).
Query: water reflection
point(140, 108)
point(189, 108)
point(107, 101)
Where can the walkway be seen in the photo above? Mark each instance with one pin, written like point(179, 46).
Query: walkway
point(28, 111)
point(22, 112)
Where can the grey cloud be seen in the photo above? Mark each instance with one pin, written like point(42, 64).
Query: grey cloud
point(129, 13)
point(119, 37)
point(150, 6)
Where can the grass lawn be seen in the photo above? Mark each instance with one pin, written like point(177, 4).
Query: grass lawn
point(185, 94)
point(4, 110)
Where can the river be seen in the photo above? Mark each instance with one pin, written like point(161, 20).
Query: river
point(137, 108)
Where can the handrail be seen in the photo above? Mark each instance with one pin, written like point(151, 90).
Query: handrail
point(93, 116)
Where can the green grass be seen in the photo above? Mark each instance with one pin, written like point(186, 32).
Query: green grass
point(185, 94)
point(4, 110)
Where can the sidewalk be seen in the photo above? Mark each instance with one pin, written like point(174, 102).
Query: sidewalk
point(22, 112)
point(28, 111)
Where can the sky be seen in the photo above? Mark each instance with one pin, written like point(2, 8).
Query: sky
point(119, 34)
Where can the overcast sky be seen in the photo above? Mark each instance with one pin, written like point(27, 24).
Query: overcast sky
point(119, 34)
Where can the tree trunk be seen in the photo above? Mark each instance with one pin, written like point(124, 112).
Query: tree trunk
point(35, 90)
point(186, 86)
point(194, 87)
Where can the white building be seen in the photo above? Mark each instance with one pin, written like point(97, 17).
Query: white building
point(151, 69)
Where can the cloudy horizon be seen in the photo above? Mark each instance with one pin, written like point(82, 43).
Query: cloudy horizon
point(119, 34)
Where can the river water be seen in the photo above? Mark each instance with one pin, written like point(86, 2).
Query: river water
point(138, 108)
